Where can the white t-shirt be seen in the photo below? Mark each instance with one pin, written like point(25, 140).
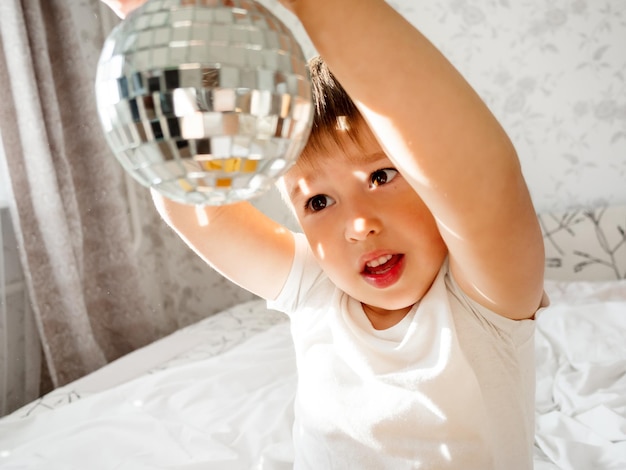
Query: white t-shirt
point(449, 386)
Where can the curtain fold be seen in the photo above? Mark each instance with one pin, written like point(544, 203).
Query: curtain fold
point(105, 274)
point(69, 198)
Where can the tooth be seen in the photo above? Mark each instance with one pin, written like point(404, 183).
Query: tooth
point(378, 261)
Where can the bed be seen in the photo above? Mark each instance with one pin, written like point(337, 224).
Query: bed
point(218, 394)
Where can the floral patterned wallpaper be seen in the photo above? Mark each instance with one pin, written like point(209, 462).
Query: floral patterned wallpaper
point(585, 244)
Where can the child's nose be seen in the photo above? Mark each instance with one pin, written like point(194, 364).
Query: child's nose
point(360, 227)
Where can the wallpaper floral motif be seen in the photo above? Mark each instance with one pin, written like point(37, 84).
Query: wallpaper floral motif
point(585, 244)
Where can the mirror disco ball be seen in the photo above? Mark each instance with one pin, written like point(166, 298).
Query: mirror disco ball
point(207, 101)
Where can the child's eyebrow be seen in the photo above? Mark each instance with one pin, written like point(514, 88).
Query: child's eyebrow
point(373, 157)
point(367, 158)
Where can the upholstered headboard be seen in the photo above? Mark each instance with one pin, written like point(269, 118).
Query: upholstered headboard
point(585, 244)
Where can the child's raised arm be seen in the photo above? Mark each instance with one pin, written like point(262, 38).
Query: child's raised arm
point(444, 140)
point(237, 240)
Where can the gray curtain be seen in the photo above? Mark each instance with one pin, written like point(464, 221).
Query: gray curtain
point(70, 205)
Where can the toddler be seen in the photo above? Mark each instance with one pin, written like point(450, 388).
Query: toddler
point(413, 286)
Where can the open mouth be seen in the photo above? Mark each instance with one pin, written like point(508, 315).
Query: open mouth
point(380, 265)
point(384, 270)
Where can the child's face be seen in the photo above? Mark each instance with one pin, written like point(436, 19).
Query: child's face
point(368, 228)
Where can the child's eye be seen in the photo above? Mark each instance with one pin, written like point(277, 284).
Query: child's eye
point(383, 176)
point(318, 203)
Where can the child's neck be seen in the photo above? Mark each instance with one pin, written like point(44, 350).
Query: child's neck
point(382, 319)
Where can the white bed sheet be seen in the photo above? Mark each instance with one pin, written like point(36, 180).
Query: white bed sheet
point(197, 410)
point(581, 377)
point(219, 395)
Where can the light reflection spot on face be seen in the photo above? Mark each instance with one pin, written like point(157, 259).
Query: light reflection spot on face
point(304, 187)
point(361, 175)
point(359, 224)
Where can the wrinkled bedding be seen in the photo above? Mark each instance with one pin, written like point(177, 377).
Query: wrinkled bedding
point(581, 377)
point(219, 395)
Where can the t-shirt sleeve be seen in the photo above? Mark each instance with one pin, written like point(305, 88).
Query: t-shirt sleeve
point(519, 330)
point(305, 273)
